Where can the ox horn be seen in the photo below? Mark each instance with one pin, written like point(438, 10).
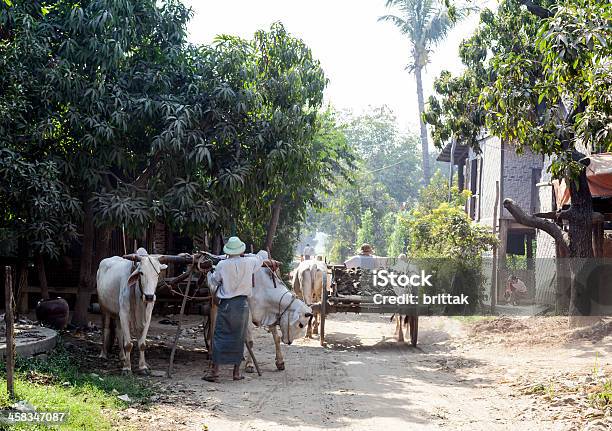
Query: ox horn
point(133, 257)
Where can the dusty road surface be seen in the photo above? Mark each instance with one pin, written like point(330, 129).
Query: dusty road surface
point(502, 376)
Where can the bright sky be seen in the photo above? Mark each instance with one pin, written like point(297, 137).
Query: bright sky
point(364, 59)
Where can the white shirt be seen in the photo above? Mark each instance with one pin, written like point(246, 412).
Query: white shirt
point(519, 286)
point(235, 275)
point(366, 262)
point(309, 251)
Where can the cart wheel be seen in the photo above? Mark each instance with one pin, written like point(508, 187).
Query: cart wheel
point(322, 312)
point(413, 322)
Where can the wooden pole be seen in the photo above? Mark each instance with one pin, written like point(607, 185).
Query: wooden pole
point(246, 343)
point(178, 326)
point(10, 331)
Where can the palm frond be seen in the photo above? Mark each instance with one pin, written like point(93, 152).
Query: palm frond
point(396, 20)
point(437, 28)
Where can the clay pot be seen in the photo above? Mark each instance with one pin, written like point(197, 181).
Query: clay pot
point(53, 312)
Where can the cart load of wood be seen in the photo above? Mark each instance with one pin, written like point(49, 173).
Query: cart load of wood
point(358, 281)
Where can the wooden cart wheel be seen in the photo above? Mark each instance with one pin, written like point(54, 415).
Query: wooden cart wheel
point(413, 323)
point(322, 312)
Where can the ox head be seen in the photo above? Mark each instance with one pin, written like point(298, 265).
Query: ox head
point(294, 322)
point(146, 273)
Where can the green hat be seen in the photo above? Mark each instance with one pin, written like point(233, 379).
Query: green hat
point(234, 246)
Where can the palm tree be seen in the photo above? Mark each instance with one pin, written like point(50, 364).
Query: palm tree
point(426, 23)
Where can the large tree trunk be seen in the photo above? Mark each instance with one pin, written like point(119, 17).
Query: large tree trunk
point(42, 276)
point(102, 236)
point(275, 216)
point(424, 143)
point(84, 289)
point(577, 246)
point(580, 243)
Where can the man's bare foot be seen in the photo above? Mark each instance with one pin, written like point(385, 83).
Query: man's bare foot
point(237, 375)
point(211, 377)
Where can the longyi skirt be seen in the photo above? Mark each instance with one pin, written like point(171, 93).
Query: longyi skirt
point(230, 330)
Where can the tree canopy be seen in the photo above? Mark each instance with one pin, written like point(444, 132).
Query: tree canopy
point(110, 118)
point(538, 75)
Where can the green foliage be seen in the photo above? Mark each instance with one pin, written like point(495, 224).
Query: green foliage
point(365, 233)
point(387, 174)
point(136, 125)
point(446, 242)
point(390, 155)
point(399, 240)
point(542, 83)
point(438, 192)
point(448, 232)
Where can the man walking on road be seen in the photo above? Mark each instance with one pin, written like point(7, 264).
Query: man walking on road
point(233, 276)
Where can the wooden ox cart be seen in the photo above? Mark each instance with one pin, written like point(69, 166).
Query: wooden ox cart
point(345, 295)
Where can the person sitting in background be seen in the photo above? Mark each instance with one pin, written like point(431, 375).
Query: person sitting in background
point(366, 259)
point(515, 290)
point(308, 252)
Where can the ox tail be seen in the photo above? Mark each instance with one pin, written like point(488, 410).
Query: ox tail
point(112, 333)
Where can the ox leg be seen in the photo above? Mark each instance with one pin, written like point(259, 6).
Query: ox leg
point(309, 328)
point(126, 342)
point(106, 333)
point(119, 340)
point(142, 342)
point(315, 324)
point(280, 361)
point(248, 366)
point(399, 329)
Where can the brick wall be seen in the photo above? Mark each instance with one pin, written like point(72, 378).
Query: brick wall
point(518, 182)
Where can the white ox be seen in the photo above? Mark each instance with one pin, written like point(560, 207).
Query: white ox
point(309, 279)
point(272, 305)
point(126, 293)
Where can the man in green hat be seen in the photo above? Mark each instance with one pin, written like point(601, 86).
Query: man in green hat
point(233, 276)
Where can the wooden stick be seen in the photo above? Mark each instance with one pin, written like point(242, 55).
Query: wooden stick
point(253, 358)
point(178, 329)
point(10, 331)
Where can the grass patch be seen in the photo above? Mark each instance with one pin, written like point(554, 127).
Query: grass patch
point(59, 384)
point(603, 396)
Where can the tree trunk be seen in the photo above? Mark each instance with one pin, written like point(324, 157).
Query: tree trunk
point(102, 237)
point(580, 243)
point(424, 143)
point(42, 276)
point(578, 247)
point(276, 209)
point(84, 289)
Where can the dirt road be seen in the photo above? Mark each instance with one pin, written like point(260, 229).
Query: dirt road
point(365, 380)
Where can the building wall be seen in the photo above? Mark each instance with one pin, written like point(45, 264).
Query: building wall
point(519, 182)
point(490, 173)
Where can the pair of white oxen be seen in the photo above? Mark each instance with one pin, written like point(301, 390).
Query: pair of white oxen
point(126, 293)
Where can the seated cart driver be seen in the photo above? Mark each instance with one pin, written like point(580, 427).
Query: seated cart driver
point(366, 259)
